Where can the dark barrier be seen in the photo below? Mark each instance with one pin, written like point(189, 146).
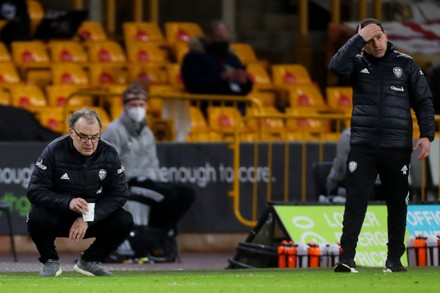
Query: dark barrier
point(206, 167)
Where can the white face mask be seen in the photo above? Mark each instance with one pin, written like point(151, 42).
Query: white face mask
point(137, 113)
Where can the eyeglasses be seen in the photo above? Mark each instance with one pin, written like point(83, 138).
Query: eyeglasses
point(84, 138)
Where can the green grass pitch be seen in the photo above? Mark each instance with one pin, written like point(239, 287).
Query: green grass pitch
point(233, 280)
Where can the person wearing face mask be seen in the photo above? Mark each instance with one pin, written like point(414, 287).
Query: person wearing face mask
point(210, 67)
point(135, 143)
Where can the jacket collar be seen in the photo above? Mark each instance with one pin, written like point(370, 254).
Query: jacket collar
point(133, 128)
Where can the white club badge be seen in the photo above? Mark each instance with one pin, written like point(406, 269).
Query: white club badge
point(352, 165)
point(102, 174)
point(397, 71)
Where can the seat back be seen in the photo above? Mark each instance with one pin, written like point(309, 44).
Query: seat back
point(27, 97)
point(91, 31)
point(340, 98)
point(29, 52)
point(106, 52)
point(106, 74)
point(8, 74)
point(307, 95)
point(57, 96)
point(148, 75)
point(223, 118)
point(181, 32)
point(144, 52)
point(69, 73)
point(290, 74)
point(259, 75)
point(140, 31)
point(67, 51)
point(306, 125)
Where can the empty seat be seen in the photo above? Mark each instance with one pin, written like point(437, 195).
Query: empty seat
point(8, 74)
point(200, 130)
point(140, 31)
point(289, 74)
point(308, 127)
point(306, 95)
point(224, 119)
point(181, 32)
point(67, 51)
point(91, 31)
point(51, 117)
point(266, 127)
point(105, 74)
point(57, 96)
point(259, 76)
point(69, 73)
point(29, 53)
point(27, 97)
point(106, 52)
point(139, 52)
point(5, 98)
point(340, 98)
point(147, 74)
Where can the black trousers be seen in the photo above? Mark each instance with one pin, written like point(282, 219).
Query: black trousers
point(45, 225)
point(363, 165)
point(165, 212)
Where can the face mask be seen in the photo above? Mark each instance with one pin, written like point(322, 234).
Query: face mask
point(137, 114)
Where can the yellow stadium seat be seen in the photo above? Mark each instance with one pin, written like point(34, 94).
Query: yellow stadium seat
point(28, 97)
point(147, 74)
point(140, 52)
point(5, 56)
point(106, 52)
point(265, 98)
point(69, 73)
point(266, 128)
point(290, 74)
point(106, 74)
point(224, 119)
point(259, 76)
point(308, 128)
point(32, 59)
point(36, 14)
point(140, 31)
point(91, 31)
point(181, 31)
point(114, 101)
point(244, 52)
point(8, 74)
point(51, 117)
point(67, 51)
point(57, 96)
point(340, 98)
point(200, 130)
point(310, 96)
point(5, 98)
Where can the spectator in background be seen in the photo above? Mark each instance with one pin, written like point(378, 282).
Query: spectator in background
point(210, 67)
point(72, 171)
point(136, 146)
point(17, 26)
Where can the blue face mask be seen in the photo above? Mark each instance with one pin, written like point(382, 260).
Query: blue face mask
point(137, 114)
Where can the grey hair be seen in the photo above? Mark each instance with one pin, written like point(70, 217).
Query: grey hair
point(90, 116)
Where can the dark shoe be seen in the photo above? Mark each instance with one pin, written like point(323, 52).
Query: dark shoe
point(345, 266)
point(91, 268)
point(394, 266)
point(51, 268)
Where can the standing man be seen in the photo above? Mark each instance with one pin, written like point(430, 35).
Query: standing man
point(386, 85)
point(136, 146)
point(72, 171)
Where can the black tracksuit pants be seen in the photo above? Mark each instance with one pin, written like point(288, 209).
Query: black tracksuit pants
point(363, 165)
point(45, 225)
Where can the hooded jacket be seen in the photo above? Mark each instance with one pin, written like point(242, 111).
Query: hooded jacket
point(201, 70)
point(62, 173)
point(384, 91)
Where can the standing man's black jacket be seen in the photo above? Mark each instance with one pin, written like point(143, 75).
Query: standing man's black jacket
point(384, 91)
point(62, 173)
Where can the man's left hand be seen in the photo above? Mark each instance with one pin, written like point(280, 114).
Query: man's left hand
point(425, 147)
